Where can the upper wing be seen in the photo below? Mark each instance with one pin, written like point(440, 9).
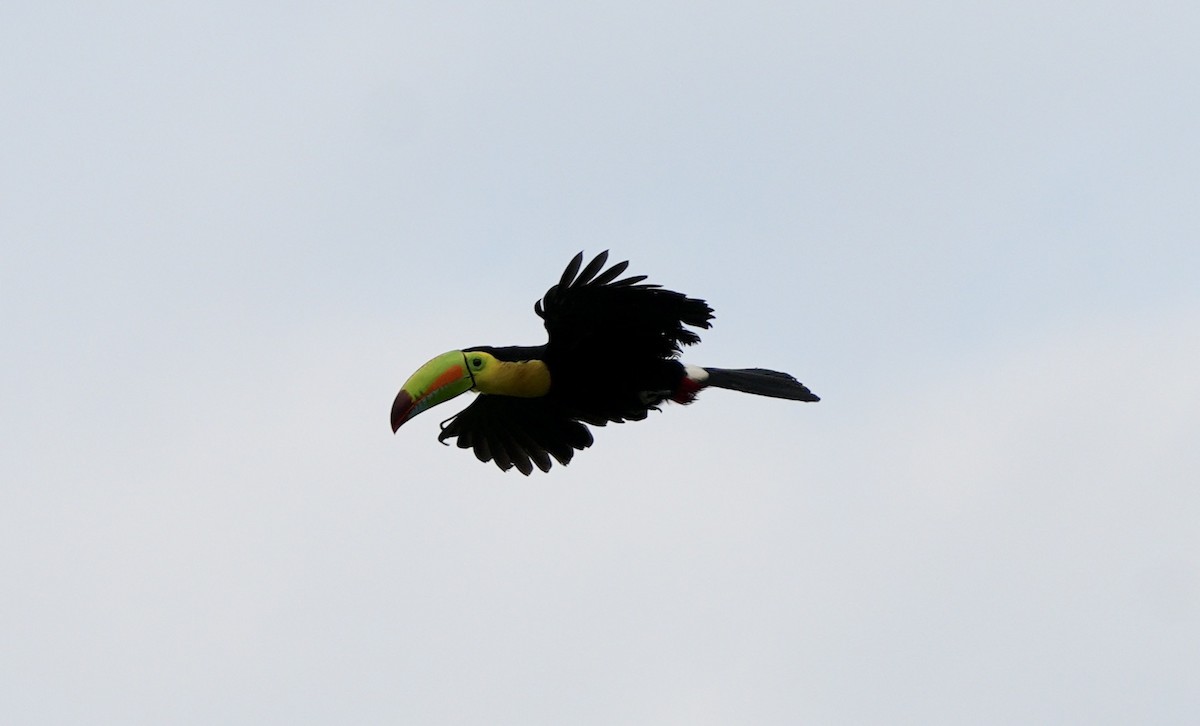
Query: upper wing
point(520, 432)
point(590, 312)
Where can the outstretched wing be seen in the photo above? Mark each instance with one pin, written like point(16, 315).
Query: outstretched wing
point(520, 432)
point(592, 313)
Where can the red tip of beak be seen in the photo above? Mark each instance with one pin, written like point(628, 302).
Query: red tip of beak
point(400, 409)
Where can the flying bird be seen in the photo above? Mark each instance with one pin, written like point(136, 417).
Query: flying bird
point(612, 356)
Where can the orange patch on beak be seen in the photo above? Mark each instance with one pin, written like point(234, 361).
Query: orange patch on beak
point(452, 374)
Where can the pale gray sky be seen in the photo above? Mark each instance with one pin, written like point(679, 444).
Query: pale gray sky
point(232, 230)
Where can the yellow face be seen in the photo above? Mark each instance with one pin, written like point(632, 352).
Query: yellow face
point(524, 379)
point(480, 366)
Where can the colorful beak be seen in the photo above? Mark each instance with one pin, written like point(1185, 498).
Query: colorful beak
point(436, 382)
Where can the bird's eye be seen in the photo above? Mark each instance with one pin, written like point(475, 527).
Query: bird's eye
point(476, 362)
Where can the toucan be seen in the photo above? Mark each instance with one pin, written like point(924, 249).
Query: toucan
point(612, 356)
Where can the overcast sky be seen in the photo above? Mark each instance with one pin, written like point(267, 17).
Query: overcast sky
point(232, 230)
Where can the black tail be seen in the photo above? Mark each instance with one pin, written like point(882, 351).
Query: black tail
point(760, 381)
